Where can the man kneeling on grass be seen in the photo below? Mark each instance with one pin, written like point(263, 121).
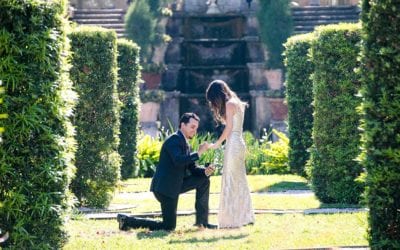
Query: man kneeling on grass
point(177, 173)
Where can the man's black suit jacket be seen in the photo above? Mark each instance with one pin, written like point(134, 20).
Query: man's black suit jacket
point(175, 160)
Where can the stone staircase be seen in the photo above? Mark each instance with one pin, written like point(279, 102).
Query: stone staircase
point(107, 18)
point(305, 19)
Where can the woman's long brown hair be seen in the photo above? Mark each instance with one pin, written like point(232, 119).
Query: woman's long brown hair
point(217, 94)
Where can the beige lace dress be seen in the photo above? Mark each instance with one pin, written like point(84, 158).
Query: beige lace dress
point(235, 207)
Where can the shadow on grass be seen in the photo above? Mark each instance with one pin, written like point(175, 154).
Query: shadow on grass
point(284, 186)
point(152, 234)
point(341, 205)
point(209, 240)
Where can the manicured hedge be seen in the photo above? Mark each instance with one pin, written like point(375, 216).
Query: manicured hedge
point(299, 98)
point(336, 137)
point(380, 73)
point(38, 147)
point(128, 90)
point(276, 25)
point(94, 74)
point(2, 116)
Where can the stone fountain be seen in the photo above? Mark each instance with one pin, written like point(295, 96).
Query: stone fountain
point(215, 40)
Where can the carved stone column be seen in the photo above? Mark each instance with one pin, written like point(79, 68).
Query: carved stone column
point(257, 79)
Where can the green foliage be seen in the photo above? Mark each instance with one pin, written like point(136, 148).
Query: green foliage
point(262, 157)
point(299, 98)
point(381, 120)
point(336, 138)
point(275, 19)
point(140, 24)
point(276, 155)
point(254, 152)
point(152, 95)
point(94, 73)
point(2, 116)
point(148, 153)
point(215, 157)
point(128, 90)
point(36, 156)
point(143, 25)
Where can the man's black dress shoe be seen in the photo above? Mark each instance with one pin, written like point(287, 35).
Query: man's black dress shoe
point(122, 222)
point(207, 225)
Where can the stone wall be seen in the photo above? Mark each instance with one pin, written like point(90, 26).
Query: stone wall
point(225, 6)
point(326, 2)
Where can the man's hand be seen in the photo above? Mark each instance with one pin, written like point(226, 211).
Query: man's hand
point(210, 169)
point(203, 147)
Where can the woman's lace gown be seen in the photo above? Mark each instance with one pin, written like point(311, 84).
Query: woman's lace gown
point(235, 207)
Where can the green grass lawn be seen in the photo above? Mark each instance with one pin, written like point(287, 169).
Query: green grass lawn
point(186, 202)
point(257, 183)
point(269, 232)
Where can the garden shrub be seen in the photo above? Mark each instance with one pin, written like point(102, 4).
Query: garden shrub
point(94, 74)
point(380, 77)
point(36, 155)
point(254, 152)
point(275, 19)
point(336, 138)
point(148, 153)
point(299, 99)
point(276, 155)
point(128, 91)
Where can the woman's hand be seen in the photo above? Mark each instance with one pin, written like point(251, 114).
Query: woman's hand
point(213, 146)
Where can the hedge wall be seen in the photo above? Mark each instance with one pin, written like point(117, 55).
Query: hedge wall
point(128, 90)
point(299, 98)
point(336, 138)
point(2, 116)
point(38, 148)
point(381, 120)
point(94, 74)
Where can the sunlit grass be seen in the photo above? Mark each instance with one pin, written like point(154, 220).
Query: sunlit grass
point(257, 183)
point(186, 202)
point(269, 232)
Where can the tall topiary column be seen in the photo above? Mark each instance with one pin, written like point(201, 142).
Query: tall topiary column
point(128, 91)
point(94, 74)
point(299, 98)
point(275, 19)
point(38, 148)
point(380, 73)
point(336, 136)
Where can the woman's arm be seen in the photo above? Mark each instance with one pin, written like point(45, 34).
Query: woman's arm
point(230, 111)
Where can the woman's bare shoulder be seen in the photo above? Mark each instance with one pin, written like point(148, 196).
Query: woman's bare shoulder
point(232, 105)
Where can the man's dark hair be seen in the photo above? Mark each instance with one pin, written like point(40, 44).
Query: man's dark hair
point(186, 117)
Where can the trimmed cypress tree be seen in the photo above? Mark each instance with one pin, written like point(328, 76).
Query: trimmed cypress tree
point(94, 74)
point(140, 24)
point(128, 90)
point(276, 25)
point(299, 98)
point(38, 147)
point(381, 120)
point(336, 138)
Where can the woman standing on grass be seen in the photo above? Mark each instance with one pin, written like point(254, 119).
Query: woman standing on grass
point(235, 207)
